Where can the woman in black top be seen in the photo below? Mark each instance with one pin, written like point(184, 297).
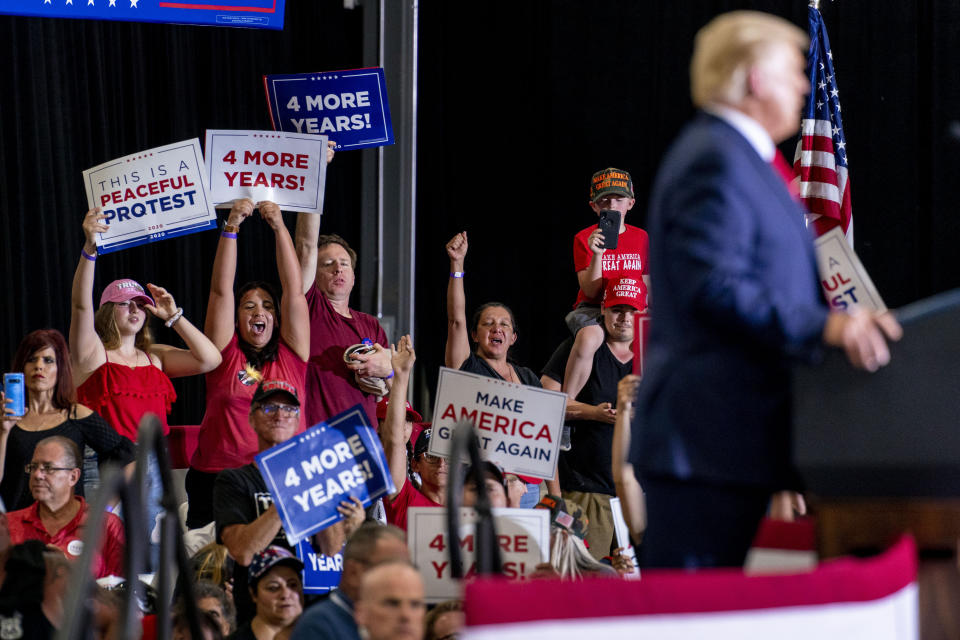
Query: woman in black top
point(494, 329)
point(52, 410)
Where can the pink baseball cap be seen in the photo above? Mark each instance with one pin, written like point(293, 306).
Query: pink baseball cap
point(123, 290)
point(629, 291)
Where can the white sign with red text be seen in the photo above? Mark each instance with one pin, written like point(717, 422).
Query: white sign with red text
point(518, 427)
point(523, 536)
point(151, 195)
point(846, 284)
point(289, 169)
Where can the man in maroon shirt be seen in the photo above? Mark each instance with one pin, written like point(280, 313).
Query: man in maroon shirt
point(328, 266)
point(58, 516)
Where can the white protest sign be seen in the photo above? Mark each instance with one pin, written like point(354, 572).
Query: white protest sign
point(623, 537)
point(523, 536)
point(152, 195)
point(289, 169)
point(518, 426)
point(846, 284)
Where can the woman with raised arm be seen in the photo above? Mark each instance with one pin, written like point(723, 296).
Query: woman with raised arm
point(120, 372)
point(493, 329)
point(52, 410)
point(254, 344)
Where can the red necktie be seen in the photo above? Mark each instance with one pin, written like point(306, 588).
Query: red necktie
point(786, 172)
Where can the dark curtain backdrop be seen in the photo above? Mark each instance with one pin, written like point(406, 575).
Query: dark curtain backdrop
point(518, 104)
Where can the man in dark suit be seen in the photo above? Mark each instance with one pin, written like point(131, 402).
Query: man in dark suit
point(737, 298)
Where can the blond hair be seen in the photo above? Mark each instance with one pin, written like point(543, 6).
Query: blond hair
point(105, 324)
point(726, 47)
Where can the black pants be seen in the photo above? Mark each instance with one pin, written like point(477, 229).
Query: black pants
point(199, 487)
point(694, 525)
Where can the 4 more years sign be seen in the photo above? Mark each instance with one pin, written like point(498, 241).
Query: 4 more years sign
point(523, 536)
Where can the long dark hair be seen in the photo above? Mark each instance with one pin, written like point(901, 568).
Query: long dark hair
point(257, 358)
point(64, 394)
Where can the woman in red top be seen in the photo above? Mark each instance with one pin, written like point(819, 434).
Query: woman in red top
point(254, 345)
point(120, 372)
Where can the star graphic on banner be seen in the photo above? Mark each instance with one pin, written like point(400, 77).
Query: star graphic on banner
point(46, 1)
point(836, 131)
point(822, 85)
point(133, 4)
point(829, 78)
point(833, 92)
point(819, 104)
point(70, 2)
point(841, 145)
point(90, 3)
point(830, 54)
point(821, 66)
point(113, 3)
point(838, 107)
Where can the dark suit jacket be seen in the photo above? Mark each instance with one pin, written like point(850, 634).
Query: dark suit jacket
point(734, 298)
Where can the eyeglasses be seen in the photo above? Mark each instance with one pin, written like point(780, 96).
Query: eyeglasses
point(270, 409)
point(431, 460)
point(45, 467)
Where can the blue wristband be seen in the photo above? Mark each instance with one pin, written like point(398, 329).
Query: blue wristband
point(389, 376)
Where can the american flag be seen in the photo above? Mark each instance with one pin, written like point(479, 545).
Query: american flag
point(821, 158)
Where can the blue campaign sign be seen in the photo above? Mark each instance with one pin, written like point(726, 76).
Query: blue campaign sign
point(264, 14)
point(350, 107)
point(320, 573)
point(310, 474)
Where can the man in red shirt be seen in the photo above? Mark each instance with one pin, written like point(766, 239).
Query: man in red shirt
point(58, 516)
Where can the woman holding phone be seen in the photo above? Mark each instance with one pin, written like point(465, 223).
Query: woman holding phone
point(51, 410)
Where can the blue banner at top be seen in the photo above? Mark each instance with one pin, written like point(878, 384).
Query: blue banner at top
point(261, 14)
point(350, 107)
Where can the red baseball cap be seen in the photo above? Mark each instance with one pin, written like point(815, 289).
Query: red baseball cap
point(123, 290)
point(629, 291)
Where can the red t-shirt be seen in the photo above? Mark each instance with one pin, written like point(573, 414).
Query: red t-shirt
point(226, 439)
point(331, 386)
point(409, 496)
point(629, 259)
point(122, 394)
point(25, 525)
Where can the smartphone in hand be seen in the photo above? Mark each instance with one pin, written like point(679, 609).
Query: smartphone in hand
point(15, 393)
point(610, 227)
